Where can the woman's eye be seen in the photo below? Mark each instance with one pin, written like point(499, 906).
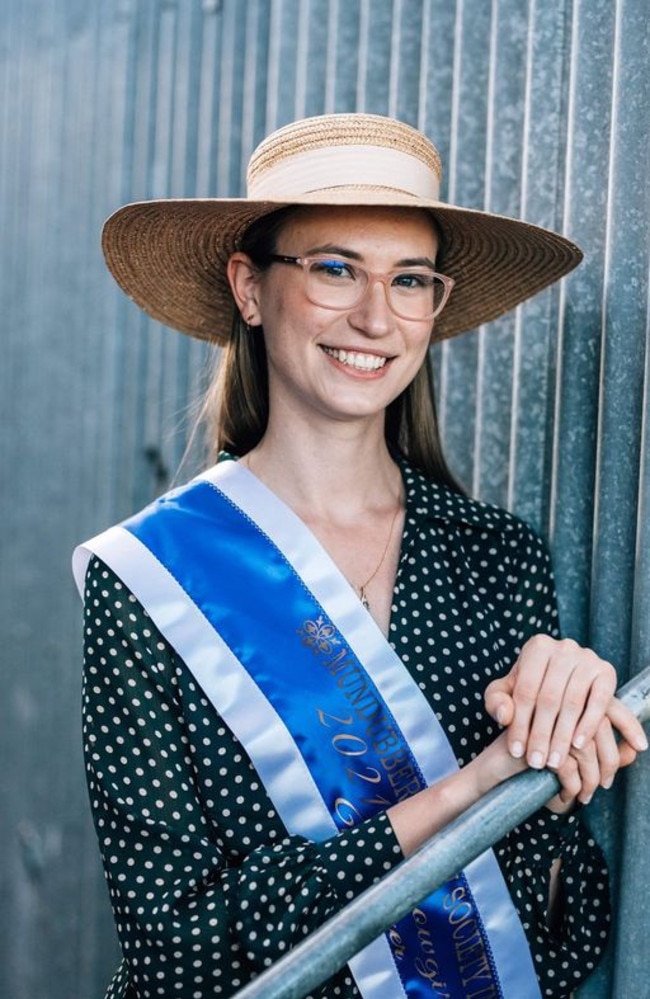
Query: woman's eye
point(334, 269)
point(412, 281)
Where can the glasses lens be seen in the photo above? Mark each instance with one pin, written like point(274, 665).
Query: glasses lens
point(416, 294)
point(335, 284)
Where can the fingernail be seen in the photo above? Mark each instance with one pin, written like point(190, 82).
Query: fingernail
point(586, 799)
point(608, 783)
point(554, 760)
point(578, 742)
point(501, 714)
point(517, 750)
point(536, 760)
point(642, 744)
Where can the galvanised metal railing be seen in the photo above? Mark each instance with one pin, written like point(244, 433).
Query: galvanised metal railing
point(319, 956)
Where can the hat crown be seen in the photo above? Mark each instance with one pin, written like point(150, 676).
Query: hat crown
point(344, 150)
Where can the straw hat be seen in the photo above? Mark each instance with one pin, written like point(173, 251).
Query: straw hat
point(170, 255)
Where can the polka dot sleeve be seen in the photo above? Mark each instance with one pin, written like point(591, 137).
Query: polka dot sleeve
point(566, 945)
point(205, 884)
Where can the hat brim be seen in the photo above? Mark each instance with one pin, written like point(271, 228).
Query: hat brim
point(170, 257)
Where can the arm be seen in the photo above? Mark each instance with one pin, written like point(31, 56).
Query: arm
point(206, 885)
point(418, 818)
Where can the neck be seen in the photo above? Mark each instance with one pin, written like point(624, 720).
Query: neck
point(343, 484)
point(334, 475)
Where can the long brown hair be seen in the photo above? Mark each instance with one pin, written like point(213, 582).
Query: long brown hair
point(236, 404)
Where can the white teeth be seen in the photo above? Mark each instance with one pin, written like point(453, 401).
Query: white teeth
point(363, 362)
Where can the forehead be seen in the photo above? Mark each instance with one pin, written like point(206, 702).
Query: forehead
point(363, 229)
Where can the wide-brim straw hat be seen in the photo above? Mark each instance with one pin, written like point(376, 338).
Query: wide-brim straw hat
point(170, 255)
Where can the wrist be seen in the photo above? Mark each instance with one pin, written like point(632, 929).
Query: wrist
point(416, 819)
point(479, 777)
point(494, 765)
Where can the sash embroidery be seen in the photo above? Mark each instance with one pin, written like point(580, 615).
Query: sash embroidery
point(364, 746)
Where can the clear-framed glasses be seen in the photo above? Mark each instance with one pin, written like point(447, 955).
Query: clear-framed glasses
point(417, 293)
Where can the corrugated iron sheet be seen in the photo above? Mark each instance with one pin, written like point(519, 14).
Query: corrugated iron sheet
point(539, 109)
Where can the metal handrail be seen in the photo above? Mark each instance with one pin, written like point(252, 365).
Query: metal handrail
point(331, 946)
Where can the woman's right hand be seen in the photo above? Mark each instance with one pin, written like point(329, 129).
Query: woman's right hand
point(416, 819)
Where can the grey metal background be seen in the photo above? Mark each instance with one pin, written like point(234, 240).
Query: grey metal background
point(540, 108)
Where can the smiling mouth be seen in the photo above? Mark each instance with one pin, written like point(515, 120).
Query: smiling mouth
point(357, 360)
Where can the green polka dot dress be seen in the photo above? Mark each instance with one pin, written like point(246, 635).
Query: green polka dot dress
point(207, 887)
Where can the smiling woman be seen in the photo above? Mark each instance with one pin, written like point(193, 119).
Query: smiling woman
point(236, 406)
point(336, 344)
point(305, 662)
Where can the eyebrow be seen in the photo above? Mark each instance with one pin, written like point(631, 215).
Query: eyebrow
point(342, 251)
point(416, 262)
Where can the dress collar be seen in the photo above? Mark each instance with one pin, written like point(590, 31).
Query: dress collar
point(427, 500)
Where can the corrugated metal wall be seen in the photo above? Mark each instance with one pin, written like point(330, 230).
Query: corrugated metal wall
point(540, 109)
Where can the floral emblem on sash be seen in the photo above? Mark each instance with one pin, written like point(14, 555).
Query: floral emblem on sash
point(319, 635)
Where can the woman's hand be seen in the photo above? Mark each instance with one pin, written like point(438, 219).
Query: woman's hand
point(559, 709)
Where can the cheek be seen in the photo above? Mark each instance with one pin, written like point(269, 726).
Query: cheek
point(289, 320)
point(271, 306)
point(282, 309)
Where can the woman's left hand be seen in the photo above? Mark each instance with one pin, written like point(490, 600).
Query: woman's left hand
point(559, 707)
point(593, 766)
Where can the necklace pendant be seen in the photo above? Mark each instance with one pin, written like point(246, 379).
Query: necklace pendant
point(363, 598)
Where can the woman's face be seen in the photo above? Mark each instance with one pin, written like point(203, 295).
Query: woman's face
point(349, 364)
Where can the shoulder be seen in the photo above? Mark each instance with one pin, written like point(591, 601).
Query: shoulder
point(429, 500)
point(107, 596)
point(488, 548)
point(495, 543)
point(163, 521)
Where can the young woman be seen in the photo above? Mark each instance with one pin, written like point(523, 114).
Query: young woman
point(308, 660)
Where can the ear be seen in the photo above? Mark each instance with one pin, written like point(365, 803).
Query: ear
point(243, 278)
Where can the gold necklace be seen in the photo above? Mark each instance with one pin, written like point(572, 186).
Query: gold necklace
point(362, 589)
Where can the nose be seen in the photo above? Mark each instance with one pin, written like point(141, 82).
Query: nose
point(372, 315)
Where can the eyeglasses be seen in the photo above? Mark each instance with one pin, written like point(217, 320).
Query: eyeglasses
point(416, 293)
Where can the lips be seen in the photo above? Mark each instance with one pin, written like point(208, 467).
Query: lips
point(357, 360)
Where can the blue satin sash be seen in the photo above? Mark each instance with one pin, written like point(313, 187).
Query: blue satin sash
point(331, 719)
